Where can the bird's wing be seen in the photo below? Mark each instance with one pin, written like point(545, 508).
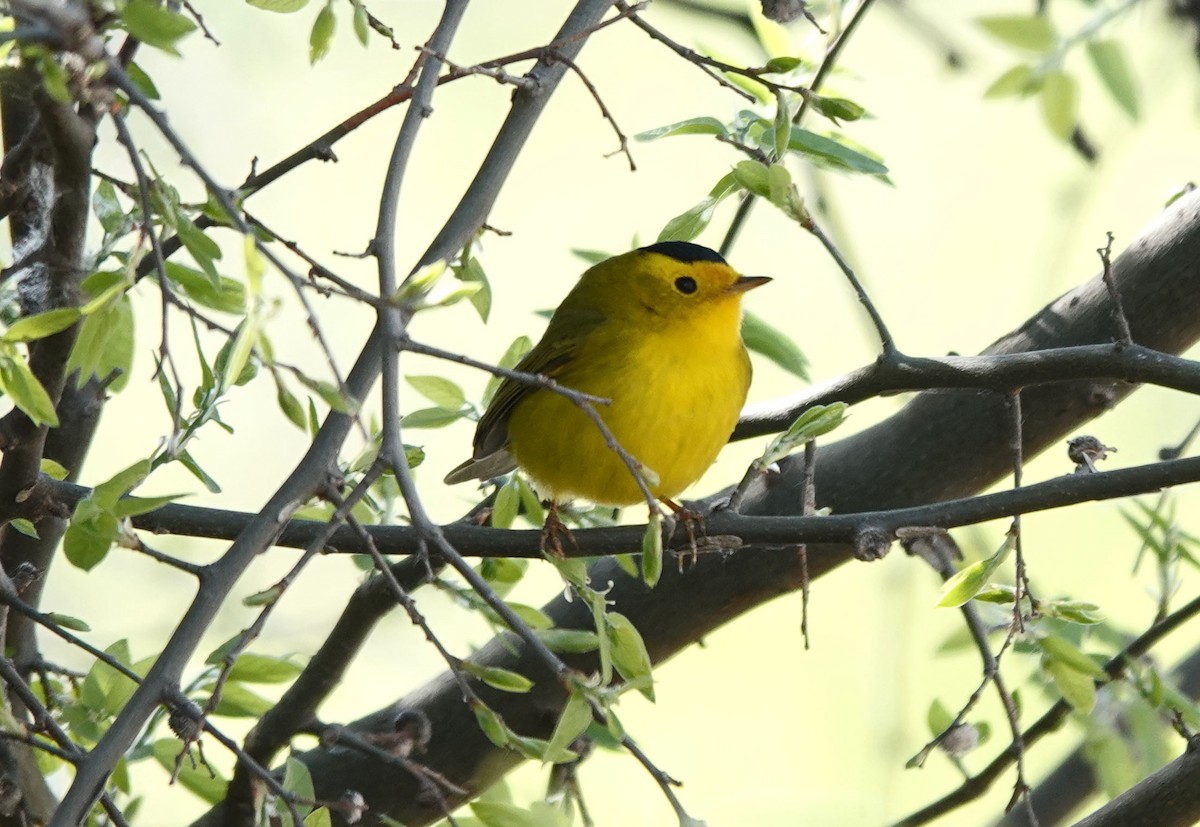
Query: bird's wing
point(491, 456)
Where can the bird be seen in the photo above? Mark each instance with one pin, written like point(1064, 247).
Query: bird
point(656, 333)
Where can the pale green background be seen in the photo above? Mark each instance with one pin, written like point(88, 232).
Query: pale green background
point(990, 218)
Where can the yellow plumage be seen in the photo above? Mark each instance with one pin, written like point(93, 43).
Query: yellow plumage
point(657, 332)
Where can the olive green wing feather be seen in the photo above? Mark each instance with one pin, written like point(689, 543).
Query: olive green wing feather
point(491, 456)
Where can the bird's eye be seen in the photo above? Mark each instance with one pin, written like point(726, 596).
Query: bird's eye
point(685, 285)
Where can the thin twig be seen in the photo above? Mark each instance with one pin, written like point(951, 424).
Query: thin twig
point(1124, 336)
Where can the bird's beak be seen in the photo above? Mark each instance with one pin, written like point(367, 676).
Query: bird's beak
point(745, 283)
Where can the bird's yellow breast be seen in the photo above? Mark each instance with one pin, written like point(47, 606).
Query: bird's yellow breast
point(675, 389)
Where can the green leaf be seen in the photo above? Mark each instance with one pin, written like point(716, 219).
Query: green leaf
point(504, 509)
point(321, 36)
point(752, 177)
point(142, 81)
point(576, 716)
point(200, 779)
point(692, 126)
point(223, 294)
point(54, 78)
point(938, 717)
point(280, 6)
point(132, 506)
point(772, 343)
point(568, 641)
point(1019, 80)
point(251, 668)
point(969, 581)
point(1061, 649)
point(1108, 56)
point(782, 65)
point(472, 273)
point(69, 622)
point(438, 390)
point(108, 492)
point(431, 418)
point(90, 535)
point(107, 207)
point(812, 423)
point(629, 653)
point(319, 817)
point(837, 109)
point(834, 153)
point(497, 678)
point(27, 393)
point(490, 723)
point(516, 351)
point(25, 527)
point(362, 26)
point(238, 701)
point(105, 344)
point(1060, 103)
point(652, 551)
point(1034, 33)
point(689, 224)
point(155, 25)
point(1076, 688)
point(42, 324)
point(329, 394)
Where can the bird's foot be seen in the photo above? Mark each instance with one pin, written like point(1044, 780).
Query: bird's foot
point(554, 531)
point(693, 524)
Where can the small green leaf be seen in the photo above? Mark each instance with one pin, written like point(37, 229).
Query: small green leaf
point(1072, 611)
point(132, 506)
point(431, 418)
point(225, 295)
point(25, 527)
point(629, 653)
point(568, 641)
point(576, 716)
point(27, 393)
point(155, 25)
point(1019, 80)
point(68, 622)
point(772, 343)
point(238, 701)
point(652, 550)
point(472, 273)
point(837, 109)
point(938, 717)
point(329, 394)
point(497, 678)
point(319, 817)
point(439, 390)
point(504, 509)
point(1060, 103)
point(362, 26)
point(1108, 56)
point(252, 668)
point(53, 470)
point(692, 126)
point(107, 207)
point(280, 6)
point(1034, 33)
point(782, 65)
point(969, 581)
point(490, 723)
point(1061, 649)
point(90, 535)
point(1076, 688)
point(688, 225)
point(108, 492)
point(752, 177)
point(836, 154)
point(321, 36)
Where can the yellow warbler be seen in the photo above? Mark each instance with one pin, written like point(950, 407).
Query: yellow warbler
point(657, 332)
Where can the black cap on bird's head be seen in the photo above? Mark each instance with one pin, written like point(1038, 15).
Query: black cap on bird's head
point(684, 252)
